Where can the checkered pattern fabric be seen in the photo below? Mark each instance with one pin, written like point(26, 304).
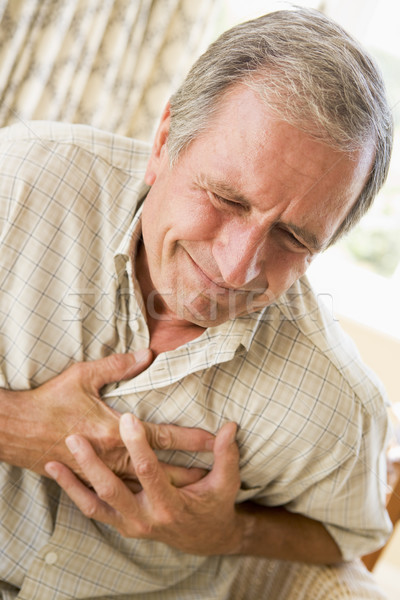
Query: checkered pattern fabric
point(312, 419)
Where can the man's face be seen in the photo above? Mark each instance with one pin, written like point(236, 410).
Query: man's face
point(242, 213)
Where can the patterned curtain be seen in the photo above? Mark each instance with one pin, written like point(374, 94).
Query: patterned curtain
point(108, 63)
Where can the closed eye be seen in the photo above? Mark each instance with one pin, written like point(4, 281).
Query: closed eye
point(228, 203)
point(293, 241)
point(224, 200)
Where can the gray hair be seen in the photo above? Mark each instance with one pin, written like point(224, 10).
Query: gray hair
point(310, 73)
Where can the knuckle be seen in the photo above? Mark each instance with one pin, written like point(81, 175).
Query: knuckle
point(140, 530)
point(107, 493)
point(166, 518)
point(163, 438)
point(146, 468)
point(89, 509)
point(146, 531)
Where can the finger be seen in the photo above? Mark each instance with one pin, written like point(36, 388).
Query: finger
point(177, 476)
point(173, 437)
point(149, 472)
point(115, 367)
point(108, 487)
point(85, 499)
point(224, 476)
point(181, 476)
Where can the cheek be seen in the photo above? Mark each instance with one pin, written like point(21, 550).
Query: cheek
point(177, 217)
point(194, 218)
point(284, 269)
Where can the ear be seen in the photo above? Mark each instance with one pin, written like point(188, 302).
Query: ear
point(159, 150)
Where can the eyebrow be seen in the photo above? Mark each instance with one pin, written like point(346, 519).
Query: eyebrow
point(225, 189)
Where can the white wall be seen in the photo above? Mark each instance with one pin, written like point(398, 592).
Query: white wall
point(379, 351)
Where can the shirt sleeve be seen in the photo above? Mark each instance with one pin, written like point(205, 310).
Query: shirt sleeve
point(351, 500)
point(316, 442)
point(343, 487)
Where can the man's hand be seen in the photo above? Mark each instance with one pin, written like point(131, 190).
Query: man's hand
point(35, 423)
point(202, 517)
point(199, 518)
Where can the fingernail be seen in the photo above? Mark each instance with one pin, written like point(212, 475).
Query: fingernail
point(141, 355)
point(51, 470)
point(73, 443)
point(127, 423)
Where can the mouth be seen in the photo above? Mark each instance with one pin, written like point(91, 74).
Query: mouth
point(240, 301)
point(212, 282)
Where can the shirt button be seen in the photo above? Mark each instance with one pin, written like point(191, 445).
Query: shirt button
point(51, 558)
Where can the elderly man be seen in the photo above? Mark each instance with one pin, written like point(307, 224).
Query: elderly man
point(273, 147)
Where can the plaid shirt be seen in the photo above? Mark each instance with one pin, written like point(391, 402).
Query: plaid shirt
point(312, 419)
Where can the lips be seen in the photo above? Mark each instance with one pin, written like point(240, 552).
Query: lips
point(211, 281)
point(214, 280)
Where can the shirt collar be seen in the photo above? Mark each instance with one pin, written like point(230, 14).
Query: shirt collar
point(135, 227)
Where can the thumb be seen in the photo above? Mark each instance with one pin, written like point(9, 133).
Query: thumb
point(115, 367)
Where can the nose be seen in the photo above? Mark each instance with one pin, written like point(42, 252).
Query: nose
point(240, 255)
